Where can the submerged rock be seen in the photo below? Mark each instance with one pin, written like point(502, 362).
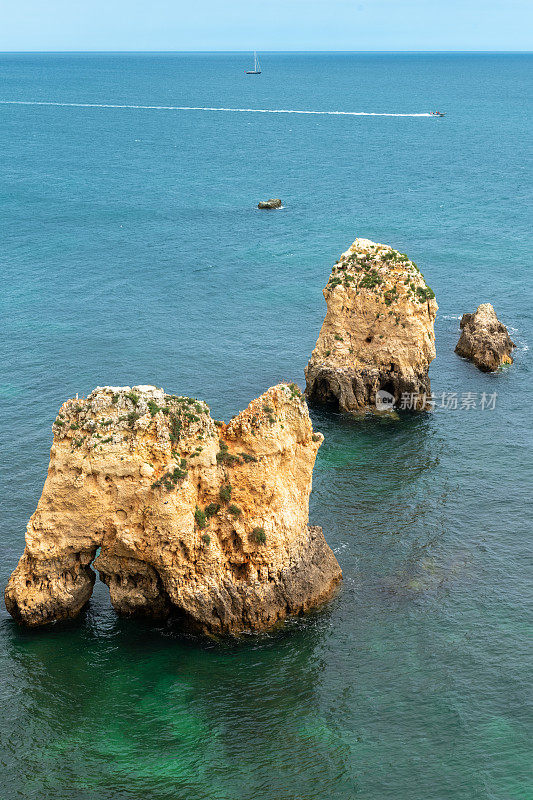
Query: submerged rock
point(272, 203)
point(192, 517)
point(377, 335)
point(484, 339)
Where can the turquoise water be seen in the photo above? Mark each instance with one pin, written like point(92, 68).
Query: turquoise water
point(132, 252)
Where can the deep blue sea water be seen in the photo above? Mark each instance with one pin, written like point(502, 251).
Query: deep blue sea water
point(132, 252)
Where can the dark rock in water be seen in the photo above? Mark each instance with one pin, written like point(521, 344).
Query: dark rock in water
point(484, 339)
point(272, 203)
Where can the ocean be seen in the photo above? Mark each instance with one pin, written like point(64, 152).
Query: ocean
point(133, 253)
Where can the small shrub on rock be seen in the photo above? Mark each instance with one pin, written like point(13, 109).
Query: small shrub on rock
point(200, 518)
point(225, 493)
point(211, 509)
point(259, 535)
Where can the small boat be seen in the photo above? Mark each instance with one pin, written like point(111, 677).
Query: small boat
point(438, 113)
point(257, 67)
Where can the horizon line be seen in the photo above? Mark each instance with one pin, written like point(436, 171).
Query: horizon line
point(73, 52)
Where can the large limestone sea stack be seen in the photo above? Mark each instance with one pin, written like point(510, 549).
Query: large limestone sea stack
point(377, 333)
point(194, 518)
point(484, 339)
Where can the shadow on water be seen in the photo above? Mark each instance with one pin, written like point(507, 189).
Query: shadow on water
point(383, 486)
point(380, 474)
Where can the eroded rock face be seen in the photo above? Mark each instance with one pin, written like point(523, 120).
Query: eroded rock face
point(205, 520)
point(377, 333)
point(484, 339)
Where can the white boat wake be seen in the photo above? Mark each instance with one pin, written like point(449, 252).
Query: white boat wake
point(209, 108)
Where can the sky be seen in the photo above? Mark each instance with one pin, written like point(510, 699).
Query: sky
point(265, 25)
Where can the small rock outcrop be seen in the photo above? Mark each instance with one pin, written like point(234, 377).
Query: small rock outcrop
point(484, 339)
point(272, 203)
point(182, 515)
point(377, 335)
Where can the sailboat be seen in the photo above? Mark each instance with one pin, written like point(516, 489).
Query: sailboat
point(257, 67)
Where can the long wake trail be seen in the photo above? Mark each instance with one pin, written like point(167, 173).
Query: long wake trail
point(210, 108)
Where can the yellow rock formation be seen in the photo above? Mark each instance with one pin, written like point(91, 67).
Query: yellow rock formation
point(185, 515)
point(377, 333)
point(484, 339)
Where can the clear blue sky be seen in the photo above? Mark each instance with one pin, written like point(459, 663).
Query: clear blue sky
point(266, 24)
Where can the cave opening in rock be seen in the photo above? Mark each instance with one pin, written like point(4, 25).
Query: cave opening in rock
point(389, 387)
point(324, 393)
